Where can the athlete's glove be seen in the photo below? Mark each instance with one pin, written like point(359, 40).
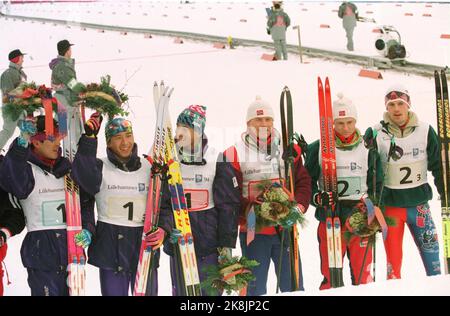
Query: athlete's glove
point(224, 254)
point(325, 199)
point(83, 238)
point(175, 235)
point(155, 239)
point(27, 130)
point(92, 126)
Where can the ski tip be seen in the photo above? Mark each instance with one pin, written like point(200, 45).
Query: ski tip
point(170, 92)
point(286, 88)
point(319, 81)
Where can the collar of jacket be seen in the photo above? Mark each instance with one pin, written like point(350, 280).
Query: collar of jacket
point(66, 60)
point(349, 144)
point(195, 158)
point(60, 168)
point(407, 130)
point(270, 147)
point(15, 66)
point(133, 164)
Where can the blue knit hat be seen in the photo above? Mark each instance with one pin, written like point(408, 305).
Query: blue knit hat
point(194, 117)
point(116, 126)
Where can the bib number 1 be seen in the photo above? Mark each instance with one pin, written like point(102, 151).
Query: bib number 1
point(130, 208)
point(54, 213)
point(129, 205)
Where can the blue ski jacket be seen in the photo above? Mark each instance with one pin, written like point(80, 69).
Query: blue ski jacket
point(46, 249)
point(217, 226)
point(113, 247)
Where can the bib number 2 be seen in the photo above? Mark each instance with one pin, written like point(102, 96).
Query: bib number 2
point(406, 179)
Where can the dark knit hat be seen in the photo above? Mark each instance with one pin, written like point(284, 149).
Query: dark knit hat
point(194, 117)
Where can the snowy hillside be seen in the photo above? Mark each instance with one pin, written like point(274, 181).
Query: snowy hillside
point(419, 24)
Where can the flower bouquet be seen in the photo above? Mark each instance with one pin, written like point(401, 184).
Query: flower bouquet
point(27, 98)
point(276, 207)
point(358, 223)
point(230, 275)
point(105, 98)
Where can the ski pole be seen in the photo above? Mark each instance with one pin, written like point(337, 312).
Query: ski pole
point(374, 261)
point(280, 260)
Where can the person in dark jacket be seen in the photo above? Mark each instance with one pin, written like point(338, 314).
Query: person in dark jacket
point(10, 79)
point(12, 222)
point(33, 170)
point(119, 182)
point(256, 159)
point(211, 192)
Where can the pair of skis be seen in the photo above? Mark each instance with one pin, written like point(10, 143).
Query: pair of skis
point(287, 132)
point(168, 168)
point(75, 254)
point(443, 123)
point(328, 150)
point(144, 273)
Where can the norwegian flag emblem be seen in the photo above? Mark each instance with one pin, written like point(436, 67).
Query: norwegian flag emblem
point(341, 113)
point(259, 112)
point(393, 95)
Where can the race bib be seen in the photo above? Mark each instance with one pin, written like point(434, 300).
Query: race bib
point(349, 186)
point(131, 208)
point(196, 199)
point(53, 213)
point(408, 175)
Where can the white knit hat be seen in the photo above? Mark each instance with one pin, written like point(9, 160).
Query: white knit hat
point(259, 108)
point(344, 108)
point(397, 92)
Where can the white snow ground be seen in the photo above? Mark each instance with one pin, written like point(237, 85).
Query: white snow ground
point(226, 81)
point(420, 34)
